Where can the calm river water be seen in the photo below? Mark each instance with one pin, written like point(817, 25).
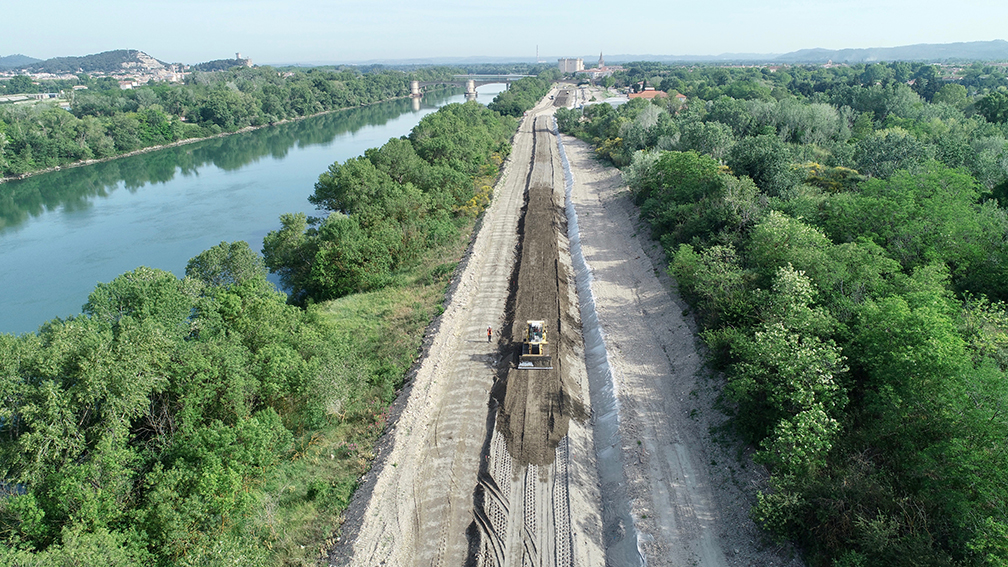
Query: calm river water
point(63, 232)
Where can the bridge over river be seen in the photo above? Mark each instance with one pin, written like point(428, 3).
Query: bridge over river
point(470, 82)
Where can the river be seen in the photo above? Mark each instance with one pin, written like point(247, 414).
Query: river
point(63, 232)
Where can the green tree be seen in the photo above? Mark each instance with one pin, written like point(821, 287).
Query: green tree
point(711, 138)
point(348, 260)
point(290, 253)
point(766, 160)
point(19, 84)
point(732, 112)
point(349, 187)
point(787, 378)
point(227, 265)
point(952, 94)
point(882, 153)
point(993, 107)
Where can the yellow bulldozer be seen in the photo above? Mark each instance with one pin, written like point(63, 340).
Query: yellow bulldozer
point(535, 348)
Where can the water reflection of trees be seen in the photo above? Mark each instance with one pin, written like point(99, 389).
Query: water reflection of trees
point(76, 188)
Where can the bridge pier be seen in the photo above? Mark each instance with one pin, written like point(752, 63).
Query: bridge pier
point(415, 89)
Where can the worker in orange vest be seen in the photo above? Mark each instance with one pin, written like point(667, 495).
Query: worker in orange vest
point(489, 334)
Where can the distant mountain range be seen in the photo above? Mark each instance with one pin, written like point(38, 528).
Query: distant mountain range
point(937, 52)
point(130, 60)
point(996, 50)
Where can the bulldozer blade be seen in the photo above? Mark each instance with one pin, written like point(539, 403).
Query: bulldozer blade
point(538, 363)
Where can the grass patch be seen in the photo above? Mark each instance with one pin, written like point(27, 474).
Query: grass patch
point(300, 506)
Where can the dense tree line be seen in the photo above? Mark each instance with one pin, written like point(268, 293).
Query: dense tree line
point(23, 84)
point(387, 208)
point(106, 121)
point(524, 93)
point(846, 253)
point(709, 82)
point(21, 199)
point(875, 130)
point(142, 431)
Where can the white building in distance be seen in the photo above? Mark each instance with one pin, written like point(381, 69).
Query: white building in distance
point(571, 65)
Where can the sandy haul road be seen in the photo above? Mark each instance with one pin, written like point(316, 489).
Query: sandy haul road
point(689, 496)
point(537, 501)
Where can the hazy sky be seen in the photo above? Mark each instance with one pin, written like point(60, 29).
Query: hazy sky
point(271, 31)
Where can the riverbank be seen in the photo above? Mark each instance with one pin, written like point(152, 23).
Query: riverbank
point(93, 223)
point(187, 141)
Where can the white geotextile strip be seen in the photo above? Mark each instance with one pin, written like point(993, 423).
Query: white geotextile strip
point(604, 394)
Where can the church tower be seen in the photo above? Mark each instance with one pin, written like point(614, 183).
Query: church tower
point(601, 62)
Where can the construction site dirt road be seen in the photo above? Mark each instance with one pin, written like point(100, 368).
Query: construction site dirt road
point(582, 464)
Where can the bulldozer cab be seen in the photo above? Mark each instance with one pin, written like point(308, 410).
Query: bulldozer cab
point(535, 348)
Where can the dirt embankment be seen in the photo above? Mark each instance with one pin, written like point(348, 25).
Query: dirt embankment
point(689, 494)
point(446, 489)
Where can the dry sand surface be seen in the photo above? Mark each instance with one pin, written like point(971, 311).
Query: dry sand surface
point(690, 496)
point(488, 465)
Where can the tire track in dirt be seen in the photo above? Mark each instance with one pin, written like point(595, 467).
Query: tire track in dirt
point(527, 446)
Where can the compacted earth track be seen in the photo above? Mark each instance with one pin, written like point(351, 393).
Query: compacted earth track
point(476, 473)
point(522, 504)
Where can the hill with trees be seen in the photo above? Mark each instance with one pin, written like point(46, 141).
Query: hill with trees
point(16, 61)
point(108, 62)
point(220, 64)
